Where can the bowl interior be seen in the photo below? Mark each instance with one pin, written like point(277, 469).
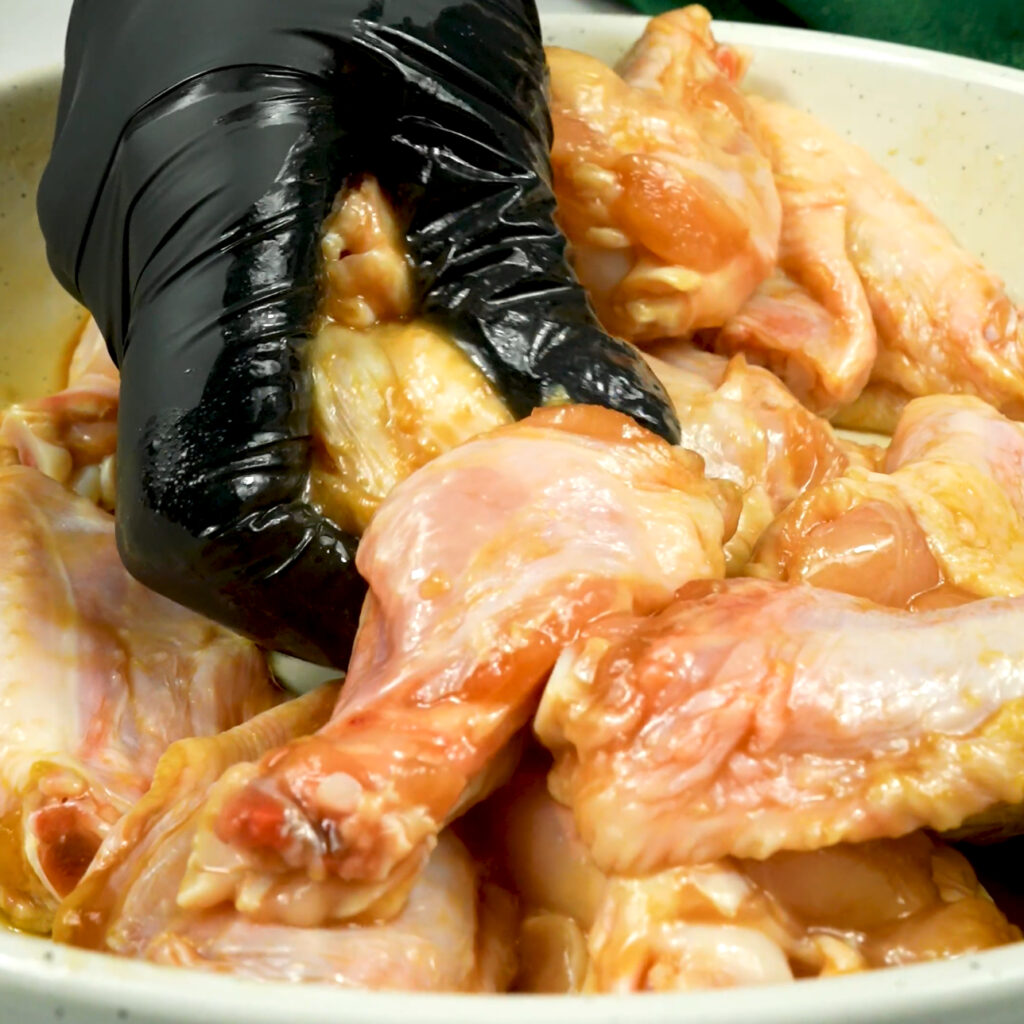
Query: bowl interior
point(37, 317)
point(946, 128)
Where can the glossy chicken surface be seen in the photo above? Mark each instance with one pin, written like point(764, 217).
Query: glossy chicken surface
point(944, 524)
point(71, 436)
point(662, 188)
point(810, 322)
point(944, 322)
point(750, 430)
point(481, 567)
point(751, 717)
point(387, 400)
point(390, 393)
point(453, 933)
point(814, 328)
point(832, 911)
point(367, 271)
point(584, 931)
point(98, 675)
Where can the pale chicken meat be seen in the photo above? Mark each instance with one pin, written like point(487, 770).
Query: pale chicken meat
point(732, 922)
point(812, 329)
point(663, 190)
point(584, 931)
point(454, 933)
point(944, 524)
point(368, 276)
point(752, 717)
point(944, 323)
point(750, 430)
point(810, 321)
point(71, 436)
point(389, 392)
point(892, 901)
point(481, 566)
point(99, 676)
point(876, 410)
point(386, 400)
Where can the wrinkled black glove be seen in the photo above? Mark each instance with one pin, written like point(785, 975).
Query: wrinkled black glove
point(199, 146)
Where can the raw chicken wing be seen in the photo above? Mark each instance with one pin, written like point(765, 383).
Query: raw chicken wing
point(99, 675)
point(812, 329)
point(752, 717)
point(71, 436)
point(749, 430)
point(389, 392)
point(837, 910)
point(453, 934)
point(943, 525)
point(482, 566)
point(387, 400)
point(662, 188)
point(583, 931)
point(944, 323)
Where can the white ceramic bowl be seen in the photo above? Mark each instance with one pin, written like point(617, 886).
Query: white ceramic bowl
point(951, 130)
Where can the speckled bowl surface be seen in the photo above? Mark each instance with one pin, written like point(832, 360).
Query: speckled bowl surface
point(952, 130)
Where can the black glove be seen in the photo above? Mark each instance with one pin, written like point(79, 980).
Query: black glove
point(199, 146)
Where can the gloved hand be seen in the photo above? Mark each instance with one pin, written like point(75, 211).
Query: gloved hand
point(199, 147)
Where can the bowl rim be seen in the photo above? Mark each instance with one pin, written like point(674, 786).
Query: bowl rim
point(989, 982)
point(978, 985)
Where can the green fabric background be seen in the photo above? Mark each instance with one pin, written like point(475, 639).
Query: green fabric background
point(987, 29)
